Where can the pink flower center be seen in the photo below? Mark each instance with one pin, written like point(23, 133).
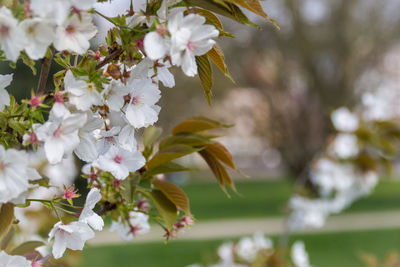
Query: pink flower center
point(70, 29)
point(161, 30)
point(135, 229)
point(33, 139)
point(57, 132)
point(35, 101)
point(59, 98)
point(118, 159)
point(69, 194)
point(116, 183)
point(190, 45)
point(135, 100)
point(4, 30)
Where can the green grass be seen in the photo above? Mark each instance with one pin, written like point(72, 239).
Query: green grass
point(268, 198)
point(326, 250)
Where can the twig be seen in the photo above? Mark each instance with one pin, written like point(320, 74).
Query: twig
point(44, 72)
point(109, 58)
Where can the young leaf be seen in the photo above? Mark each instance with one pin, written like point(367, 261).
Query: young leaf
point(6, 217)
point(171, 153)
point(165, 207)
point(217, 56)
point(175, 194)
point(26, 247)
point(151, 134)
point(166, 168)
point(197, 124)
point(205, 74)
point(220, 152)
point(189, 139)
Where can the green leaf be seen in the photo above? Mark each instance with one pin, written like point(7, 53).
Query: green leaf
point(197, 124)
point(189, 139)
point(218, 169)
point(166, 168)
point(175, 194)
point(26, 247)
point(171, 153)
point(6, 218)
point(129, 187)
point(151, 134)
point(205, 74)
point(217, 56)
point(165, 207)
point(220, 152)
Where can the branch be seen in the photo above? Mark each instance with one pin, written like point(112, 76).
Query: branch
point(44, 72)
point(109, 58)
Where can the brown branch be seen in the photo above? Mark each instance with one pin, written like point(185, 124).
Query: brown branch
point(114, 55)
point(44, 72)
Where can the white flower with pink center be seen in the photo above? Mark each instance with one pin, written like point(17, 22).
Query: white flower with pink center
point(15, 174)
point(138, 224)
point(190, 37)
point(120, 162)
point(72, 236)
point(88, 215)
point(142, 110)
point(5, 81)
point(60, 135)
point(74, 34)
point(12, 37)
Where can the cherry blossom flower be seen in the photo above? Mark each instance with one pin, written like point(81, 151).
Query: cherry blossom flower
point(190, 38)
point(344, 120)
point(88, 215)
point(137, 225)
point(74, 34)
point(82, 95)
point(72, 236)
point(141, 110)
point(121, 162)
point(345, 145)
point(248, 247)
point(60, 135)
point(12, 37)
point(57, 12)
point(5, 81)
point(299, 255)
point(13, 261)
point(114, 95)
point(40, 33)
point(156, 44)
point(87, 148)
point(15, 174)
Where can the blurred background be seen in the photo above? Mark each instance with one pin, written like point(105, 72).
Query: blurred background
point(327, 54)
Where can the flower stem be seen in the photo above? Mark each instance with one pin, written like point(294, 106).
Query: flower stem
point(44, 72)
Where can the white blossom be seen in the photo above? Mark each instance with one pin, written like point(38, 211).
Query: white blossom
point(248, 247)
point(88, 215)
point(72, 236)
point(82, 95)
point(5, 81)
point(15, 174)
point(57, 12)
point(190, 37)
point(141, 110)
point(60, 135)
point(40, 33)
point(87, 148)
point(12, 37)
point(345, 145)
point(137, 225)
point(299, 255)
point(344, 120)
point(13, 261)
point(74, 34)
point(121, 162)
point(114, 95)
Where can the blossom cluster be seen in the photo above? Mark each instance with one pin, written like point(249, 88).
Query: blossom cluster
point(257, 250)
point(99, 104)
point(347, 171)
